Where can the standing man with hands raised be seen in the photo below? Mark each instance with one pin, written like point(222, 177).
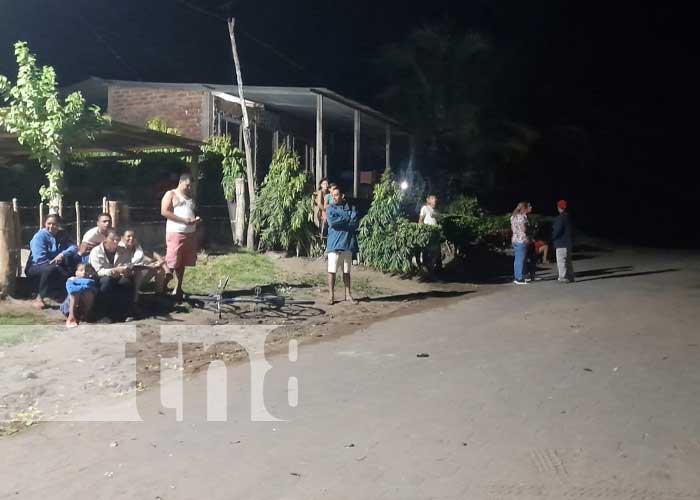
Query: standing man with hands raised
point(178, 207)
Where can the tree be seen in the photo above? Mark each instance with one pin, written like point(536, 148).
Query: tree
point(284, 215)
point(387, 240)
point(44, 123)
point(444, 75)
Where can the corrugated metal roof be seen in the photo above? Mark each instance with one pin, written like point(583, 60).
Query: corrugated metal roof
point(120, 138)
point(296, 101)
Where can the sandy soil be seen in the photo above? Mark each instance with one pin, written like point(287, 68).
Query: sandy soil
point(56, 373)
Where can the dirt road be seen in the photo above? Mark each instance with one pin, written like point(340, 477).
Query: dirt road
point(551, 391)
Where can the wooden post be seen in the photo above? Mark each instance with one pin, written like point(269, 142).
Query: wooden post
point(356, 155)
point(325, 165)
point(18, 240)
point(41, 215)
point(312, 166)
point(78, 228)
point(8, 248)
point(255, 151)
point(252, 184)
point(194, 171)
point(239, 238)
point(387, 166)
point(306, 158)
point(120, 214)
point(60, 206)
point(275, 141)
point(104, 204)
point(240, 136)
point(319, 138)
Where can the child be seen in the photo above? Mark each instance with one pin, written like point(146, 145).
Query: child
point(81, 295)
point(542, 249)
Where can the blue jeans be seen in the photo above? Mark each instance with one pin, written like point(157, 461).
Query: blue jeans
point(519, 262)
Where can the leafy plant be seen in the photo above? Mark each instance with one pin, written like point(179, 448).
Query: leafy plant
point(465, 223)
point(44, 124)
point(283, 216)
point(219, 148)
point(387, 240)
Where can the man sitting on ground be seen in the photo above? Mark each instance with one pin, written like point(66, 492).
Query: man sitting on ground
point(143, 266)
point(97, 234)
point(115, 287)
point(342, 224)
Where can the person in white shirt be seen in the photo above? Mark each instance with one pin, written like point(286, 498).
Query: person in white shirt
point(431, 257)
point(97, 234)
point(177, 206)
point(115, 287)
point(428, 213)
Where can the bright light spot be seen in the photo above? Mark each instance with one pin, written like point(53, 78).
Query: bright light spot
point(404, 185)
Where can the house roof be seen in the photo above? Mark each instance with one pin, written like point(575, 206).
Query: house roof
point(123, 140)
point(296, 101)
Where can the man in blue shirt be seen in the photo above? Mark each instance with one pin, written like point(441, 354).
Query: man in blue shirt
point(342, 224)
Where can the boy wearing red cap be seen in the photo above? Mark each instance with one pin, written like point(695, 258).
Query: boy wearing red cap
point(563, 240)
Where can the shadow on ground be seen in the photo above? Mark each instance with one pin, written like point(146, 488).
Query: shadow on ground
point(433, 294)
point(607, 274)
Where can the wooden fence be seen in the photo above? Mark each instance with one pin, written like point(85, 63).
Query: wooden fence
point(78, 217)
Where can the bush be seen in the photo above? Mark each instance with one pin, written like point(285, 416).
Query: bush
point(465, 224)
point(284, 211)
point(388, 241)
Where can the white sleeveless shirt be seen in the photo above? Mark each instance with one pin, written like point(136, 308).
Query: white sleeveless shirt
point(182, 207)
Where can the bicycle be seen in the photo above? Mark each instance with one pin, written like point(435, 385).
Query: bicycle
point(274, 301)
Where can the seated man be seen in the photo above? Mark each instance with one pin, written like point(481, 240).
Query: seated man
point(143, 266)
point(92, 238)
point(114, 283)
point(97, 234)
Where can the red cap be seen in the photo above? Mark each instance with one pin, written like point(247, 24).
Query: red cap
point(561, 204)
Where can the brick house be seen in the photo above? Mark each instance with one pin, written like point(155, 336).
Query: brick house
point(326, 129)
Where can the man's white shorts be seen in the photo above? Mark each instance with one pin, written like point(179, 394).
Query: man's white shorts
point(339, 260)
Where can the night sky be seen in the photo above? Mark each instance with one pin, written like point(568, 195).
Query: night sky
point(616, 69)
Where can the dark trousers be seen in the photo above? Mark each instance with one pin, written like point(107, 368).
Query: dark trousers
point(114, 297)
point(531, 261)
point(51, 277)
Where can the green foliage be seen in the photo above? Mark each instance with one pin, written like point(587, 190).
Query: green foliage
point(159, 125)
point(283, 215)
point(387, 240)
point(445, 76)
point(465, 223)
point(44, 124)
point(219, 149)
point(246, 269)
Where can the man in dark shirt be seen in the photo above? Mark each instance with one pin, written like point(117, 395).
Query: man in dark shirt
point(563, 240)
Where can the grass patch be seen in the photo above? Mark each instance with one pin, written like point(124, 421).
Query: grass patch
point(247, 270)
point(244, 269)
point(14, 319)
point(12, 331)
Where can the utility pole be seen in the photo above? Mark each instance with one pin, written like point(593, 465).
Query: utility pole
point(250, 243)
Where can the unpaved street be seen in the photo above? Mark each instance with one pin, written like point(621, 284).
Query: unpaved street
point(550, 391)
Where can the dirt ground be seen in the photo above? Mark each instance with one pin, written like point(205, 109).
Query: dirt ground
point(54, 373)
